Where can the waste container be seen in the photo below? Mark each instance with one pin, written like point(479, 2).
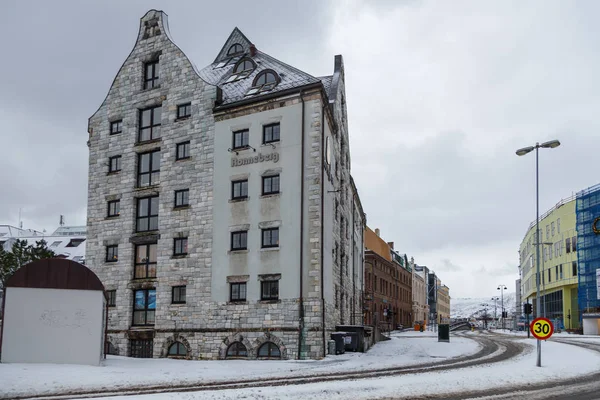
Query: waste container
point(339, 342)
point(417, 327)
point(351, 341)
point(331, 347)
point(443, 333)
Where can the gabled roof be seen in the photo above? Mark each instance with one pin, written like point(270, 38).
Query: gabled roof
point(222, 69)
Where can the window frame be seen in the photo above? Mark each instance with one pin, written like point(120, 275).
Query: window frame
point(118, 123)
point(150, 217)
point(269, 231)
point(181, 244)
point(239, 298)
point(111, 298)
point(266, 286)
point(186, 150)
point(154, 80)
point(112, 250)
point(235, 46)
point(117, 164)
point(243, 234)
point(273, 125)
point(146, 308)
point(153, 127)
point(177, 353)
point(113, 208)
point(243, 62)
point(146, 264)
point(141, 348)
point(187, 109)
point(237, 350)
point(269, 355)
point(241, 183)
point(242, 145)
point(271, 177)
point(178, 294)
point(185, 198)
point(151, 169)
point(257, 88)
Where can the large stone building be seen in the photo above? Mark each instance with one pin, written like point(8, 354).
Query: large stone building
point(419, 294)
point(222, 216)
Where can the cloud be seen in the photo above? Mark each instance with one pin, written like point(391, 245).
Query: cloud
point(447, 265)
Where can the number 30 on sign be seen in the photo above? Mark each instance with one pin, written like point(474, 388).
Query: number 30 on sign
point(541, 328)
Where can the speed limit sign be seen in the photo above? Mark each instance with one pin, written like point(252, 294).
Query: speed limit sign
point(541, 328)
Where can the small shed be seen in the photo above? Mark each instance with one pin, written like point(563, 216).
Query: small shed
point(54, 312)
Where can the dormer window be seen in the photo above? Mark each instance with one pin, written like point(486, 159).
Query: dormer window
point(242, 69)
point(235, 49)
point(264, 82)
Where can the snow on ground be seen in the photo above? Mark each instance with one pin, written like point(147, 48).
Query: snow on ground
point(517, 371)
point(406, 348)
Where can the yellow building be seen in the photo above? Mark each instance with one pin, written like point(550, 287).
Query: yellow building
point(558, 264)
point(443, 304)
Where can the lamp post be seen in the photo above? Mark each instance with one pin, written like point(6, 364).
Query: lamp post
point(495, 305)
point(502, 288)
point(521, 152)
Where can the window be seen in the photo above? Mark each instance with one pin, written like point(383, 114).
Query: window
point(116, 127)
point(111, 298)
point(270, 184)
point(241, 139)
point(547, 232)
point(235, 49)
point(568, 245)
point(269, 290)
point(237, 349)
point(184, 110)
point(270, 237)
point(558, 225)
point(560, 275)
point(269, 350)
point(263, 82)
point(149, 168)
point(271, 133)
point(239, 240)
point(183, 151)
point(549, 276)
point(150, 120)
point(180, 246)
point(182, 198)
point(177, 349)
point(151, 75)
point(112, 253)
point(145, 261)
point(114, 208)
point(574, 268)
point(147, 214)
point(75, 242)
point(178, 295)
point(552, 228)
point(141, 348)
point(237, 291)
point(144, 306)
point(55, 244)
point(243, 66)
point(239, 189)
point(114, 164)
point(573, 244)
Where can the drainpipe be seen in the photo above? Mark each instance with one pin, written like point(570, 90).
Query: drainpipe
point(106, 330)
point(301, 298)
point(323, 155)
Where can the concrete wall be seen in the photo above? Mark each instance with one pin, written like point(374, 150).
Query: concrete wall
point(55, 326)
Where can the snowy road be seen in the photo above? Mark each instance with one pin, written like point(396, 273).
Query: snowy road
point(400, 368)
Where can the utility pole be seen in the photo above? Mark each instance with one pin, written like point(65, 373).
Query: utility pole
point(502, 288)
point(495, 305)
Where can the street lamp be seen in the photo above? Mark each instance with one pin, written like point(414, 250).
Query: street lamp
point(502, 288)
point(495, 305)
point(521, 152)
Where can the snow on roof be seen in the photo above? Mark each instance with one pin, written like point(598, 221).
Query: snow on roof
point(69, 247)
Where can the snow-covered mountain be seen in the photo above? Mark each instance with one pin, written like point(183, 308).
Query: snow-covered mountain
point(466, 307)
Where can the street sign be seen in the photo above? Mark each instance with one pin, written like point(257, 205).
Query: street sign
point(541, 328)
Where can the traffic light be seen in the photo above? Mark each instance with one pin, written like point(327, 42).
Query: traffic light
point(527, 308)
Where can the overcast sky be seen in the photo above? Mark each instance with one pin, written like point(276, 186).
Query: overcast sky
point(440, 94)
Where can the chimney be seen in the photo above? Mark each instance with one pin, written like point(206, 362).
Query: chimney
point(252, 50)
point(377, 232)
point(391, 244)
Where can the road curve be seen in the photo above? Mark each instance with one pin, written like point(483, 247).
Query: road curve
point(492, 350)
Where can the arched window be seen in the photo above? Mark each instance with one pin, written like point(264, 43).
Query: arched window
point(235, 49)
point(243, 66)
point(269, 350)
point(177, 349)
point(266, 80)
point(237, 349)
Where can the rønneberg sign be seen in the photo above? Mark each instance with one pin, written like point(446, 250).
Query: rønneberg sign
point(236, 162)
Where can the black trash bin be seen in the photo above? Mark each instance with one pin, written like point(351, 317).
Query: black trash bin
point(339, 342)
point(351, 341)
point(443, 333)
